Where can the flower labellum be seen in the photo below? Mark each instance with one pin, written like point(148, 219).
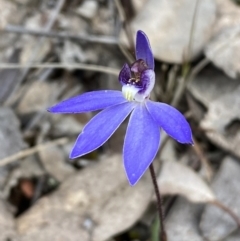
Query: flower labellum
point(142, 138)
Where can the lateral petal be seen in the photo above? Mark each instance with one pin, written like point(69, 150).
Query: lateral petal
point(100, 128)
point(124, 75)
point(171, 120)
point(141, 143)
point(89, 101)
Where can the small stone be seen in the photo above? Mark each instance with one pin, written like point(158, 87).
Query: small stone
point(7, 10)
point(92, 205)
point(168, 26)
point(182, 221)
point(217, 224)
point(221, 98)
point(224, 48)
point(37, 98)
point(233, 237)
point(88, 9)
point(66, 125)
point(9, 127)
point(55, 163)
point(138, 5)
point(7, 224)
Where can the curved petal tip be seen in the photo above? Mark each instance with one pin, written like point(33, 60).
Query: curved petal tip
point(171, 121)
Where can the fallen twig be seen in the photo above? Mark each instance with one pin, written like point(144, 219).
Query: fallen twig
point(60, 35)
point(30, 151)
point(204, 160)
point(227, 210)
point(36, 49)
point(96, 68)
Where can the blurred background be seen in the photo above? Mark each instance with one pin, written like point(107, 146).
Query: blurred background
point(51, 50)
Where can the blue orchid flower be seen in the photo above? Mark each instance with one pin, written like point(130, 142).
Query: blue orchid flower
point(142, 138)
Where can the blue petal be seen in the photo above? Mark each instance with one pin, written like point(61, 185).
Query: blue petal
point(171, 120)
point(143, 49)
point(100, 128)
point(141, 143)
point(147, 81)
point(125, 74)
point(90, 101)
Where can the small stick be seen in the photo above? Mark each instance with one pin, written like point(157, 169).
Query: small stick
point(31, 151)
point(60, 35)
point(90, 67)
point(203, 159)
point(37, 48)
point(127, 31)
point(227, 210)
point(125, 25)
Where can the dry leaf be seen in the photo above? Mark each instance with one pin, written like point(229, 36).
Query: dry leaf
point(178, 179)
point(37, 97)
point(217, 224)
point(97, 202)
point(29, 46)
point(55, 163)
point(67, 125)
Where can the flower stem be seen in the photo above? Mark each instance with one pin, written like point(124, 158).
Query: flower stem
point(162, 232)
